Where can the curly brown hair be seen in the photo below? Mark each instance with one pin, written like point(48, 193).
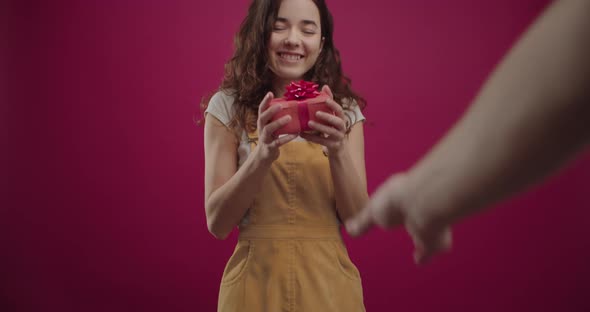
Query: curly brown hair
point(248, 77)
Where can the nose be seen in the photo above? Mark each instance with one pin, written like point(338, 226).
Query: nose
point(292, 39)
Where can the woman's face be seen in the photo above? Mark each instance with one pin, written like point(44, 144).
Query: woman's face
point(296, 39)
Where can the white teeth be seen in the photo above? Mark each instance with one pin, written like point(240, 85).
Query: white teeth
point(290, 57)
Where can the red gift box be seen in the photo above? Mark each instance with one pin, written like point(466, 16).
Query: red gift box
point(302, 101)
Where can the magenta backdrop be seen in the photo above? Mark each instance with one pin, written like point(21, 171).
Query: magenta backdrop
point(103, 164)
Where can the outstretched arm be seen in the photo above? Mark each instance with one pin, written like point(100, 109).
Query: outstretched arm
point(531, 116)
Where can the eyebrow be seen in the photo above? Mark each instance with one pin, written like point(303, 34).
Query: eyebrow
point(304, 22)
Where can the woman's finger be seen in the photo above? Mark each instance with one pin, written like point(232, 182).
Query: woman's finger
point(328, 91)
point(264, 114)
point(335, 121)
point(264, 104)
point(317, 139)
point(267, 115)
point(270, 128)
point(335, 107)
point(282, 140)
point(332, 132)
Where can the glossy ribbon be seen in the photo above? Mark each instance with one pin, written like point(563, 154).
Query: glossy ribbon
point(301, 90)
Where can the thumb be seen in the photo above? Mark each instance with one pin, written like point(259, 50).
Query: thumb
point(328, 91)
point(386, 203)
point(432, 244)
point(381, 210)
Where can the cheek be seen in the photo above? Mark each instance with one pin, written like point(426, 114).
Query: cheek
point(273, 43)
point(313, 49)
point(315, 55)
point(271, 53)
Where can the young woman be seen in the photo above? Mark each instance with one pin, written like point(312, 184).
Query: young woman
point(287, 194)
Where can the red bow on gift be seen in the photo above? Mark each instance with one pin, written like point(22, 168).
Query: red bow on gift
point(301, 90)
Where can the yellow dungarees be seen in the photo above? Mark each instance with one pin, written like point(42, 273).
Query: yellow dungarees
point(290, 255)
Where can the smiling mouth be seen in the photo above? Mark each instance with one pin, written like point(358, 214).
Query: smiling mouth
point(290, 57)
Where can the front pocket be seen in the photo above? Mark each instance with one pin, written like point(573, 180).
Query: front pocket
point(237, 264)
point(344, 263)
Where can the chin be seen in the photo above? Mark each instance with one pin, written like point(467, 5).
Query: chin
point(290, 74)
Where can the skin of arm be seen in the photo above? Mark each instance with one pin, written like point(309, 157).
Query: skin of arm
point(349, 175)
point(229, 191)
point(346, 153)
point(531, 116)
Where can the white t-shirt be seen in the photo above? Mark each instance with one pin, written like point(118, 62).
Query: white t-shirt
point(221, 107)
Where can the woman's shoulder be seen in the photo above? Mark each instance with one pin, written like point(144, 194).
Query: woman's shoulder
point(353, 111)
point(221, 106)
point(222, 97)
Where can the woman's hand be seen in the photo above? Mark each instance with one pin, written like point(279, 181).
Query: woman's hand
point(268, 143)
point(332, 134)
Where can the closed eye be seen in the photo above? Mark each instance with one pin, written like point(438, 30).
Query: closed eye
point(281, 24)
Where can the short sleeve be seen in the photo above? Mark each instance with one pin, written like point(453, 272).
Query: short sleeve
point(353, 112)
point(221, 107)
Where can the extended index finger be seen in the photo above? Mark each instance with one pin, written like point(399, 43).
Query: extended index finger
point(360, 223)
point(336, 108)
point(265, 102)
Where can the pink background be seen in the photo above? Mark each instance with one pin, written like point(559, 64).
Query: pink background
point(102, 164)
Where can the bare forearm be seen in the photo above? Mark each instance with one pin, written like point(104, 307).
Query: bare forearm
point(228, 204)
point(531, 116)
point(350, 190)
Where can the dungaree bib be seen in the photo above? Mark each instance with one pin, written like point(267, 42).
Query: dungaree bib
point(290, 255)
